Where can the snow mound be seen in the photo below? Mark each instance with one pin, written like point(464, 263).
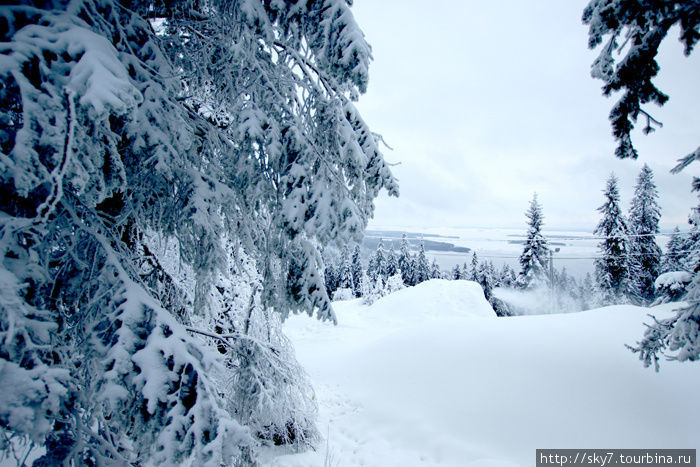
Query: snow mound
point(432, 301)
point(437, 298)
point(422, 377)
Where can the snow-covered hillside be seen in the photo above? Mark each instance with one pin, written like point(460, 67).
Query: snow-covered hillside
point(430, 376)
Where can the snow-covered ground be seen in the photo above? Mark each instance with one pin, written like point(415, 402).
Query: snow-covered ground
point(429, 376)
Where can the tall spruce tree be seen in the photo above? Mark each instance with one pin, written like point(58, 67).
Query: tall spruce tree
point(643, 221)
point(612, 268)
point(228, 129)
point(534, 258)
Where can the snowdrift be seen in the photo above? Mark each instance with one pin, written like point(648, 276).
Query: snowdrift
point(429, 376)
point(437, 298)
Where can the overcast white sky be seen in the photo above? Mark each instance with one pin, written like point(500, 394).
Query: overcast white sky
point(485, 103)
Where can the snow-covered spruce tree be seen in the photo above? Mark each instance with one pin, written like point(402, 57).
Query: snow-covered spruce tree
point(456, 272)
point(612, 267)
point(643, 221)
point(473, 269)
point(422, 267)
point(392, 264)
point(496, 278)
point(372, 290)
point(508, 276)
point(282, 81)
point(635, 30)
point(346, 278)
point(534, 258)
point(435, 272)
point(262, 383)
point(485, 278)
point(678, 337)
point(406, 262)
point(234, 122)
point(675, 250)
point(357, 272)
point(332, 262)
point(98, 365)
point(331, 276)
point(376, 266)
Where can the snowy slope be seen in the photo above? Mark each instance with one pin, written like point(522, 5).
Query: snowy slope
point(429, 376)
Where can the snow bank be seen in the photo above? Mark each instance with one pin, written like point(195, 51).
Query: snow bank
point(426, 376)
point(436, 298)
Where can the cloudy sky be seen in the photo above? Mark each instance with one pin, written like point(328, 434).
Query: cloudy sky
point(485, 103)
